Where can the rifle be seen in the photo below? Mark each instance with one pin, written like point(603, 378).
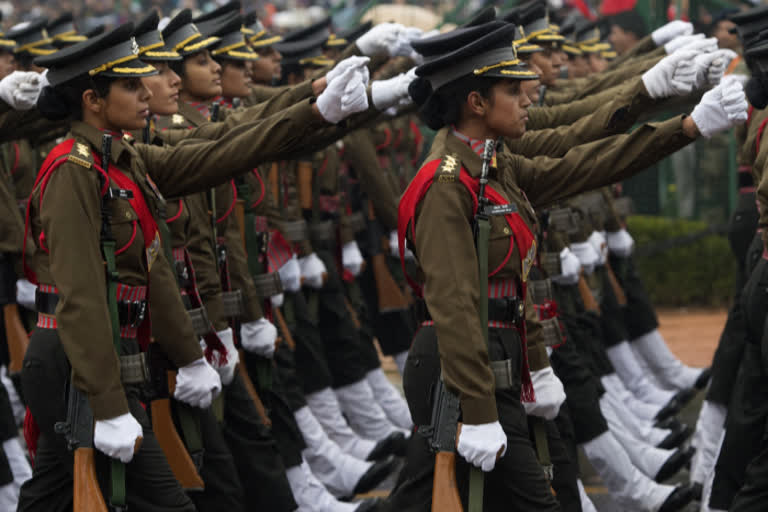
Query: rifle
point(442, 435)
point(390, 296)
point(17, 337)
point(618, 291)
point(77, 430)
point(590, 304)
point(248, 383)
point(176, 452)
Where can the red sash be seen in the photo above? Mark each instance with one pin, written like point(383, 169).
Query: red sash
point(522, 236)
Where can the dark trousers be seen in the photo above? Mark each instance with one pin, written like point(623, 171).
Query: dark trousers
point(639, 315)
point(727, 358)
point(517, 482)
point(746, 422)
point(150, 484)
point(310, 358)
point(582, 391)
point(340, 337)
point(257, 458)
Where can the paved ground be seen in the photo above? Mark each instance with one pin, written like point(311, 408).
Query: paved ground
point(692, 335)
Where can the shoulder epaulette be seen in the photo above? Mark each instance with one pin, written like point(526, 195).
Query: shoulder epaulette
point(81, 154)
point(448, 170)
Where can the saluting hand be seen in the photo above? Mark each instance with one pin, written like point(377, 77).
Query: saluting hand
point(671, 30)
point(721, 108)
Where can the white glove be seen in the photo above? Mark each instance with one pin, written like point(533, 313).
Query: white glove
point(357, 63)
point(259, 337)
point(25, 293)
point(706, 45)
point(312, 270)
point(380, 39)
point(394, 247)
point(21, 89)
point(402, 47)
point(197, 384)
point(721, 107)
point(277, 300)
point(674, 75)
point(481, 444)
point(117, 437)
point(392, 92)
point(587, 255)
point(549, 393)
point(290, 275)
point(719, 65)
point(742, 79)
point(710, 67)
point(597, 239)
point(671, 30)
point(680, 41)
point(226, 371)
point(570, 266)
point(343, 97)
point(620, 243)
point(352, 258)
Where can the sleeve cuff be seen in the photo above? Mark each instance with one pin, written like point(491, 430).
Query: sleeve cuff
point(537, 357)
point(476, 411)
point(108, 404)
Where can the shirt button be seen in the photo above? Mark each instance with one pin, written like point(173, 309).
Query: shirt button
point(506, 231)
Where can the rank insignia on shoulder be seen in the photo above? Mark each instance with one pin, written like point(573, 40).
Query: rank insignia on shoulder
point(448, 170)
point(81, 155)
point(177, 119)
point(127, 137)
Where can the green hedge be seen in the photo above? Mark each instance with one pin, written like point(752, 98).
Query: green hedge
point(701, 273)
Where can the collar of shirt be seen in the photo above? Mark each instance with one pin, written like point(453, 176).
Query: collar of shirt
point(93, 136)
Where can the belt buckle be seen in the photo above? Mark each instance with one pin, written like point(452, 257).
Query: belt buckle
point(263, 242)
point(140, 308)
point(514, 309)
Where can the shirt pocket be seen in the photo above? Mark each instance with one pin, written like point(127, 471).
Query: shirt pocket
point(125, 226)
point(501, 244)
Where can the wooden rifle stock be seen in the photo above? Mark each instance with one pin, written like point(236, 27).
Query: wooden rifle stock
point(173, 447)
point(86, 492)
point(445, 494)
point(305, 172)
point(352, 313)
point(273, 179)
point(390, 296)
point(590, 304)
point(284, 330)
point(248, 383)
point(18, 339)
point(240, 217)
point(618, 291)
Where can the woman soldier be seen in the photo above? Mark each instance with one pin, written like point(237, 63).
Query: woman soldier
point(98, 85)
point(472, 93)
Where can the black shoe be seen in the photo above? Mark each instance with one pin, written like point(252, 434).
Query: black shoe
point(369, 505)
point(675, 463)
point(676, 437)
point(684, 396)
point(394, 444)
point(697, 490)
point(679, 499)
point(669, 410)
point(671, 423)
point(375, 475)
point(703, 379)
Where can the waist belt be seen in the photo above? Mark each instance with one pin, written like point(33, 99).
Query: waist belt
point(134, 369)
point(564, 219)
point(505, 309)
point(295, 231)
point(233, 303)
point(322, 231)
point(131, 307)
point(354, 222)
point(268, 284)
point(550, 263)
point(540, 290)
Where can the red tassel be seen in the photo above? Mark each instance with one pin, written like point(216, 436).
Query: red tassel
point(31, 435)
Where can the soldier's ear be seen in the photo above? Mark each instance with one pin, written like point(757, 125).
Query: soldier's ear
point(92, 101)
point(477, 104)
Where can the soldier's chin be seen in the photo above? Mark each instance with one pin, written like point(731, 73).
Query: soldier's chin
point(757, 91)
